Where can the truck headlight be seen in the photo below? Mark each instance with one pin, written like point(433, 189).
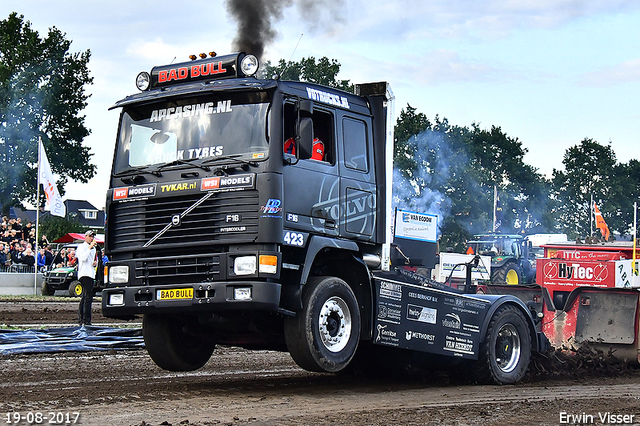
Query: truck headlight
point(244, 265)
point(242, 293)
point(249, 65)
point(143, 81)
point(119, 274)
point(116, 299)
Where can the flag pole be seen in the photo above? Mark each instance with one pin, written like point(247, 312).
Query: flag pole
point(591, 217)
point(495, 205)
point(35, 278)
point(635, 239)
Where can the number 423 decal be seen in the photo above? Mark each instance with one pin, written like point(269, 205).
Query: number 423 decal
point(296, 239)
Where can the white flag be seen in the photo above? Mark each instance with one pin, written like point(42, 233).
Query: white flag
point(54, 202)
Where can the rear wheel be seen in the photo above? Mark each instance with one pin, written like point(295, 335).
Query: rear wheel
point(170, 345)
point(506, 351)
point(324, 335)
point(509, 274)
point(75, 288)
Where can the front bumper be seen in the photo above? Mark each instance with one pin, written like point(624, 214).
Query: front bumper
point(209, 297)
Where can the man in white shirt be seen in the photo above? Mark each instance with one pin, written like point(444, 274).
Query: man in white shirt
point(86, 254)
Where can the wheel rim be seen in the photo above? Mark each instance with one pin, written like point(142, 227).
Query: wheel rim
point(507, 348)
point(77, 289)
point(335, 324)
point(512, 277)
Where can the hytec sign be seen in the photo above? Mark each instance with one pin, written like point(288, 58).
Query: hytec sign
point(576, 273)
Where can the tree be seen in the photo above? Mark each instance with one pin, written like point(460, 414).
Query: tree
point(55, 227)
point(324, 71)
point(451, 171)
point(41, 96)
point(590, 171)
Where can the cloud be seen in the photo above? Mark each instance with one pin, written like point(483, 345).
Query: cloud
point(624, 72)
point(447, 66)
point(489, 19)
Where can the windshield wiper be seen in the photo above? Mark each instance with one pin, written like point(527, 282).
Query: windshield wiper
point(141, 169)
point(233, 157)
point(179, 162)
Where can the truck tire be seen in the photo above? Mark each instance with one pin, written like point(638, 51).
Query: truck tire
point(324, 336)
point(75, 288)
point(506, 351)
point(509, 274)
point(170, 347)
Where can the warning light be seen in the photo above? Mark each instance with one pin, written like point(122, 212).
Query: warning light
point(202, 55)
point(193, 57)
point(213, 54)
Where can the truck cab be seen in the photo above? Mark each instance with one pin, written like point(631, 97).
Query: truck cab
point(214, 230)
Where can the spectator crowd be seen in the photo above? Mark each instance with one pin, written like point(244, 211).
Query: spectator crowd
point(19, 251)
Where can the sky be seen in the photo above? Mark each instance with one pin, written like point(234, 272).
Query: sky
point(547, 72)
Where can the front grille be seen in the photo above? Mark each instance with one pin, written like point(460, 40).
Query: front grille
point(179, 269)
point(134, 224)
point(57, 278)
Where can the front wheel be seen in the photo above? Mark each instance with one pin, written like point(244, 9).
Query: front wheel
point(324, 335)
point(171, 346)
point(75, 288)
point(506, 351)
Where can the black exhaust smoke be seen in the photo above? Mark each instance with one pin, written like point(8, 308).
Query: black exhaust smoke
point(255, 19)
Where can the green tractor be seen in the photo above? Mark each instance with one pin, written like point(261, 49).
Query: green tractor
point(511, 257)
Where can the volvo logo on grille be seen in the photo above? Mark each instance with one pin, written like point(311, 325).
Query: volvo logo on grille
point(175, 220)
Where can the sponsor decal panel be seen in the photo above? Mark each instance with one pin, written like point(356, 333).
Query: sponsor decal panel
point(427, 319)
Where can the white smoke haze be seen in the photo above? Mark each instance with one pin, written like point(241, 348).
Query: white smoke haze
point(416, 193)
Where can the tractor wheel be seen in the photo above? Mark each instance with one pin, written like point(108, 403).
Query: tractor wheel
point(75, 288)
point(170, 345)
point(506, 351)
point(509, 274)
point(324, 335)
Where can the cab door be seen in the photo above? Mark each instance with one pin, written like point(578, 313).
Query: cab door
point(357, 177)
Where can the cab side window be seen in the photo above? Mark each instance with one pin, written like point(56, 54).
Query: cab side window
point(323, 135)
point(355, 144)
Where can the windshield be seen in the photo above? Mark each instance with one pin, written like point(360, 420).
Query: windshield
point(196, 129)
point(497, 247)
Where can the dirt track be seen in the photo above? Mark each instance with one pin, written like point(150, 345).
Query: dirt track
point(238, 387)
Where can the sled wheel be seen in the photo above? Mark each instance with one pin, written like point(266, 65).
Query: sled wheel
point(324, 335)
point(506, 350)
point(75, 289)
point(171, 347)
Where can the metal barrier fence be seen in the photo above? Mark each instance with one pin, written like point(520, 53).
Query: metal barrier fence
point(17, 268)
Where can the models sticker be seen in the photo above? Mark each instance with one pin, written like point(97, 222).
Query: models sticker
point(226, 182)
point(130, 192)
